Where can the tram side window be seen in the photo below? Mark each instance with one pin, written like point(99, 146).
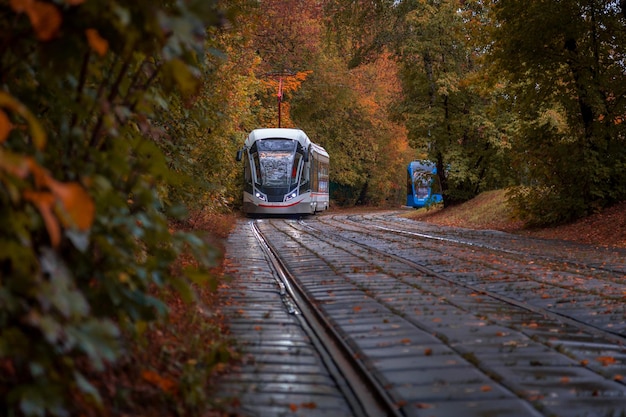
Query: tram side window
point(323, 173)
point(247, 172)
point(294, 169)
point(305, 177)
point(315, 179)
point(319, 174)
point(257, 167)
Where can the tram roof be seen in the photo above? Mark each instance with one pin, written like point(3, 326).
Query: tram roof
point(423, 165)
point(282, 133)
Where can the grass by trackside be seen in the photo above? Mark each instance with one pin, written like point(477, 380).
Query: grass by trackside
point(488, 210)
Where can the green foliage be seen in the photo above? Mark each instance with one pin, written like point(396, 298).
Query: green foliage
point(541, 206)
point(446, 107)
point(86, 188)
point(565, 63)
point(205, 135)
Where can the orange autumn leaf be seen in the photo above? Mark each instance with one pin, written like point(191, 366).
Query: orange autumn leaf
point(485, 388)
point(165, 384)
point(97, 42)
point(77, 203)
point(618, 377)
point(44, 202)
point(40, 175)
point(293, 407)
point(44, 17)
point(565, 380)
point(20, 6)
point(5, 126)
point(406, 341)
point(310, 405)
point(356, 309)
point(428, 351)
point(606, 360)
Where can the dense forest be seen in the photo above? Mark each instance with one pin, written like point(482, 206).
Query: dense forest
point(120, 120)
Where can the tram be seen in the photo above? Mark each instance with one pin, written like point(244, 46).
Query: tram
point(422, 185)
point(284, 172)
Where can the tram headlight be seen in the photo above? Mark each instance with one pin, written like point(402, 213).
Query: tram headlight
point(260, 196)
point(291, 195)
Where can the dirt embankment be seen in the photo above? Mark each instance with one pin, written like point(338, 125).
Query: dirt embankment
point(490, 211)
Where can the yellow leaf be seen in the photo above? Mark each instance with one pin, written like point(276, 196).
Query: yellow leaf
point(97, 42)
point(16, 165)
point(36, 130)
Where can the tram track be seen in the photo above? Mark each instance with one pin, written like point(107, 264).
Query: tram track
point(615, 337)
point(365, 395)
point(578, 279)
point(381, 223)
point(390, 286)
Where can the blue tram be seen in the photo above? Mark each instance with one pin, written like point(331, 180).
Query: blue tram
point(422, 185)
point(284, 172)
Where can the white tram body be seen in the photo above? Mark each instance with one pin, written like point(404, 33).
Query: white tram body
point(284, 173)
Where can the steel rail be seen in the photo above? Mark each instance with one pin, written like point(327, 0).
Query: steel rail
point(572, 264)
point(363, 392)
point(492, 248)
point(615, 337)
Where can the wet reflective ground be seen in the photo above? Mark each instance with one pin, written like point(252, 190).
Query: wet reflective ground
point(451, 322)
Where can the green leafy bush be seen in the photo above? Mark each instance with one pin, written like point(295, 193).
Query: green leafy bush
point(85, 186)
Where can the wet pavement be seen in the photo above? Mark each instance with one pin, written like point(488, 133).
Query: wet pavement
point(281, 375)
point(454, 323)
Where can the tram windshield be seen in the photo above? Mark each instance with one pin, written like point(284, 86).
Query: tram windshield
point(422, 181)
point(275, 162)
